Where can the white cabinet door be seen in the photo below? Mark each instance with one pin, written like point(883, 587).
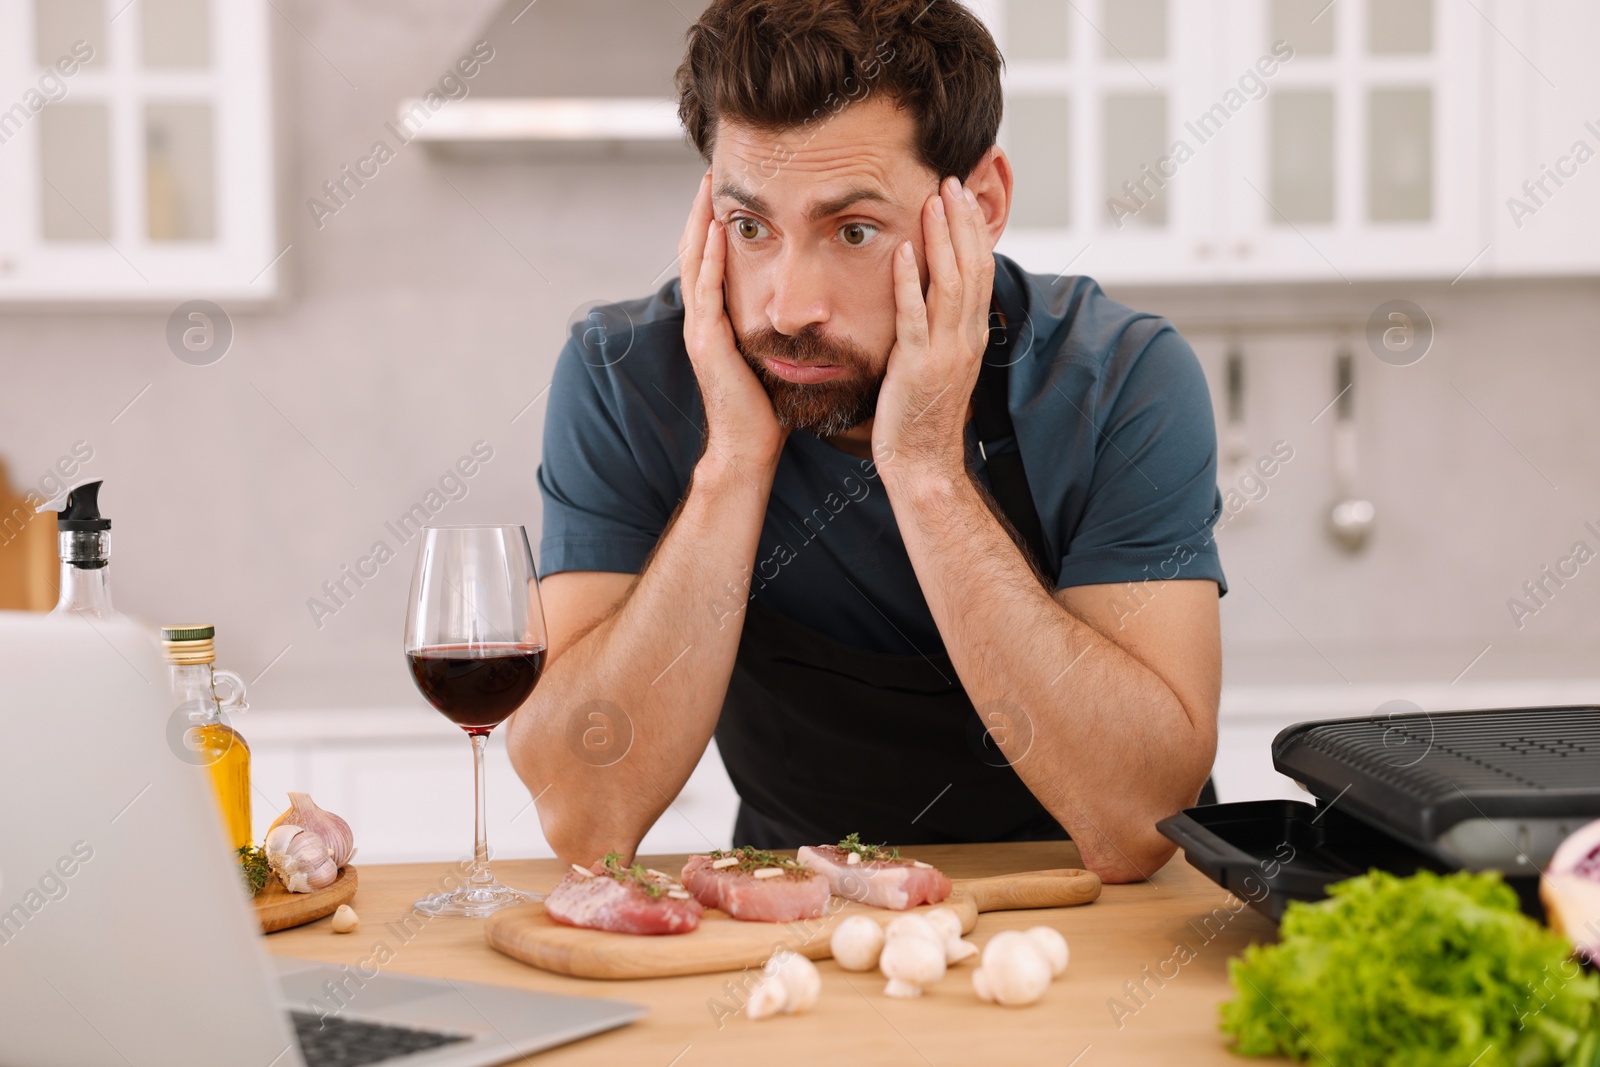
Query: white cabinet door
point(1544, 194)
point(1096, 93)
point(1261, 140)
point(1365, 158)
point(136, 155)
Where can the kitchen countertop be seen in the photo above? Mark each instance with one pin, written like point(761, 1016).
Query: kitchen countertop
point(1148, 970)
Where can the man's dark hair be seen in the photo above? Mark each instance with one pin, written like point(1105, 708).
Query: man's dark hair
point(778, 65)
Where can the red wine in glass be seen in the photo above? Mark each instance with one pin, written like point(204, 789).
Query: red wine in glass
point(477, 686)
point(475, 645)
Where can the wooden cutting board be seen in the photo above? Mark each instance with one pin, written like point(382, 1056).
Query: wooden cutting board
point(279, 909)
point(722, 943)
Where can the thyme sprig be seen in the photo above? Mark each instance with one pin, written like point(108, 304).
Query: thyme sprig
point(638, 874)
point(253, 864)
point(752, 859)
point(868, 852)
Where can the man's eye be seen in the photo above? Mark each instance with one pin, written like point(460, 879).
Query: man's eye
point(857, 233)
point(748, 228)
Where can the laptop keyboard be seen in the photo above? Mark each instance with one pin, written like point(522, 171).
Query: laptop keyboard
point(333, 1041)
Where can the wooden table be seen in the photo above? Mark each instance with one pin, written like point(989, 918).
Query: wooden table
point(1131, 995)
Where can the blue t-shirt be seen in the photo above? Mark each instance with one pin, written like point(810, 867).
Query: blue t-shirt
point(1112, 416)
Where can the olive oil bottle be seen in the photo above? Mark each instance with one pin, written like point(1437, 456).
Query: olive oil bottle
point(199, 729)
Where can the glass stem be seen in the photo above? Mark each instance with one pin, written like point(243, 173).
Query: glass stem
point(480, 843)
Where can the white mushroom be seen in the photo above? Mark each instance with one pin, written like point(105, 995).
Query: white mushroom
point(912, 925)
point(1053, 946)
point(767, 998)
point(948, 926)
point(911, 962)
point(856, 943)
point(1014, 970)
point(799, 976)
point(790, 984)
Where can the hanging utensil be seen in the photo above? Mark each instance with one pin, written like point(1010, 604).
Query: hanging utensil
point(1350, 519)
point(1235, 440)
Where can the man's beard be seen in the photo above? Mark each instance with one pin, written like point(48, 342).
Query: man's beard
point(824, 408)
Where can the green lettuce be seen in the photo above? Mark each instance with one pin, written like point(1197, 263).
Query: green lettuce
point(1427, 970)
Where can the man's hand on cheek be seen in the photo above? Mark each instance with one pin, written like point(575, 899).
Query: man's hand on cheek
point(919, 425)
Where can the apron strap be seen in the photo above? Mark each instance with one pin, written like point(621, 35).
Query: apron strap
point(997, 440)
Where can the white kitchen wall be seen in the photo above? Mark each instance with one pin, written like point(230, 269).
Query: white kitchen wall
point(427, 314)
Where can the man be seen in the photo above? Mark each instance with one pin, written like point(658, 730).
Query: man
point(923, 539)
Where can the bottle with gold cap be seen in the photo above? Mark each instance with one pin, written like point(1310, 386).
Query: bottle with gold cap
point(207, 739)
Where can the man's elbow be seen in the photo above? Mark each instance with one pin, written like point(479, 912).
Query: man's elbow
point(1131, 860)
point(578, 836)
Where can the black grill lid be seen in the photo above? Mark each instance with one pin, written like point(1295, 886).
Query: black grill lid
point(1417, 775)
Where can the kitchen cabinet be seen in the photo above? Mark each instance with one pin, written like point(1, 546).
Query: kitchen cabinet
point(136, 158)
point(1287, 140)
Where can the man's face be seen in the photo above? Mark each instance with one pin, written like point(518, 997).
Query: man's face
point(813, 216)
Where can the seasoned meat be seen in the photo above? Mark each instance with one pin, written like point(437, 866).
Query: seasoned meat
point(878, 877)
point(730, 881)
point(622, 899)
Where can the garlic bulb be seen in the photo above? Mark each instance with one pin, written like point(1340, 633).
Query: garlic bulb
point(334, 831)
point(300, 858)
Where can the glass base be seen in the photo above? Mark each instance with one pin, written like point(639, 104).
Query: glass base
point(476, 901)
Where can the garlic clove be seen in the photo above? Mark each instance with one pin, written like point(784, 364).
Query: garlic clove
point(345, 919)
point(334, 831)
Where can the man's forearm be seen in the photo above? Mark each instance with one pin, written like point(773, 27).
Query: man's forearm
point(1074, 698)
point(658, 665)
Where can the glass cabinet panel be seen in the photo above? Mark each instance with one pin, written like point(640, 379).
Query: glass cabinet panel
point(179, 185)
point(75, 172)
point(1038, 29)
point(1135, 127)
point(1307, 25)
point(1302, 160)
point(1038, 142)
point(1400, 154)
point(1399, 27)
point(59, 24)
point(1135, 29)
point(176, 33)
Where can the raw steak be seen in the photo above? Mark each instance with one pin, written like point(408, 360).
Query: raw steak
point(620, 899)
point(879, 878)
point(797, 892)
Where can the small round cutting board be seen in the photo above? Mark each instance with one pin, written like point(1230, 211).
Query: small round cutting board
point(279, 909)
point(723, 943)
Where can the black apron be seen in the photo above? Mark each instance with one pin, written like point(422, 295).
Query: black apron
point(822, 739)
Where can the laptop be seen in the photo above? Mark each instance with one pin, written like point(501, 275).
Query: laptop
point(126, 935)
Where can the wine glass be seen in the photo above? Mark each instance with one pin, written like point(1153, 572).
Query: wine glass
point(475, 642)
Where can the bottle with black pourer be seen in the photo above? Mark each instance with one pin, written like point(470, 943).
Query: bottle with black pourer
point(85, 573)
